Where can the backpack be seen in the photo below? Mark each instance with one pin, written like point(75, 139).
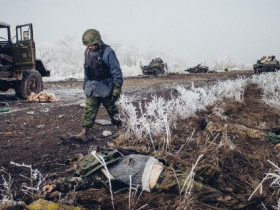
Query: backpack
point(90, 164)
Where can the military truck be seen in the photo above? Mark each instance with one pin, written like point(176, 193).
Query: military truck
point(155, 67)
point(19, 68)
point(266, 64)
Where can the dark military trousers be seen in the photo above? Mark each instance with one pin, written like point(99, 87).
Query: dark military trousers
point(92, 107)
point(174, 182)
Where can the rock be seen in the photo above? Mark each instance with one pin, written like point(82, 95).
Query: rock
point(103, 122)
point(44, 204)
point(107, 133)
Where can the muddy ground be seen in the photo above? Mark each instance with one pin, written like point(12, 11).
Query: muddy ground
point(34, 133)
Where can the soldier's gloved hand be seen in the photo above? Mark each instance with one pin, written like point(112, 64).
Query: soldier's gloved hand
point(116, 92)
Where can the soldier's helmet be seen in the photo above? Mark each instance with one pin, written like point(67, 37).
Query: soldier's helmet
point(273, 57)
point(91, 36)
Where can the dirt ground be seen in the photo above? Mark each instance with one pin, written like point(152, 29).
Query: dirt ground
point(37, 134)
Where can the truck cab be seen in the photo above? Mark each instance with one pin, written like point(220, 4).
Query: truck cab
point(19, 68)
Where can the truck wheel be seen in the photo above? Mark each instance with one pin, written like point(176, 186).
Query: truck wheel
point(31, 82)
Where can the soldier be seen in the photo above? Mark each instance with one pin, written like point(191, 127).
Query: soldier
point(146, 173)
point(272, 135)
point(103, 81)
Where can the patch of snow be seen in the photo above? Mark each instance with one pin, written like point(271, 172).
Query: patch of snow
point(103, 122)
point(107, 133)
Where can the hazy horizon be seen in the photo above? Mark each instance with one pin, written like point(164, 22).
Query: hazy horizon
point(190, 30)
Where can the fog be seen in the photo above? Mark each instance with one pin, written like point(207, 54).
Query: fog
point(192, 31)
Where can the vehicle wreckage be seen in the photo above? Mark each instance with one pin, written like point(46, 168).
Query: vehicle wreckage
point(199, 69)
point(155, 67)
point(19, 68)
point(266, 64)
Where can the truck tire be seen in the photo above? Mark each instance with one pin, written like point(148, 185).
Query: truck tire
point(31, 82)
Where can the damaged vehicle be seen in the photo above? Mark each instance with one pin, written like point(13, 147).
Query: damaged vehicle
point(19, 68)
point(199, 69)
point(156, 67)
point(266, 64)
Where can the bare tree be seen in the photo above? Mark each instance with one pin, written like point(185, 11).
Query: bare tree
point(47, 54)
point(225, 63)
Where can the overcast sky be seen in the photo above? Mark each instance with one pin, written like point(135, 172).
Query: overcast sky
point(192, 30)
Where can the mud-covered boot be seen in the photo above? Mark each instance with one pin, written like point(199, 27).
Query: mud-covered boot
point(83, 135)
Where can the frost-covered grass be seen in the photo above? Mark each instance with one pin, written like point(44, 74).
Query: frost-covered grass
point(36, 180)
point(6, 189)
point(270, 84)
point(273, 178)
point(32, 189)
point(156, 118)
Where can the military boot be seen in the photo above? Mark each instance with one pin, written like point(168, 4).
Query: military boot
point(83, 135)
